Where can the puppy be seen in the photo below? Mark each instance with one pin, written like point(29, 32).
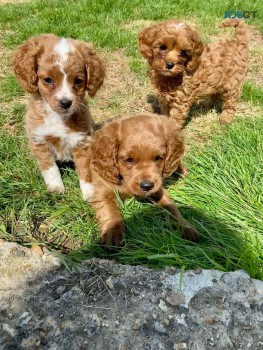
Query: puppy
point(132, 155)
point(183, 70)
point(57, 72)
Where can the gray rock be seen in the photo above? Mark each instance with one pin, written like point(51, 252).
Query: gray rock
point(105, 305)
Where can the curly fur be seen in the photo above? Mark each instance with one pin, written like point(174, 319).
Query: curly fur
point(126, 153)
point(183, 70)
point(57, 72)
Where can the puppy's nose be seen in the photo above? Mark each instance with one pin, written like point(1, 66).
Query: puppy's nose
point(65, 104)
point(169, 65)
point(146, 185)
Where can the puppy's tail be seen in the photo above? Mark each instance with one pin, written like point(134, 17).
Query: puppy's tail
point(241, 33)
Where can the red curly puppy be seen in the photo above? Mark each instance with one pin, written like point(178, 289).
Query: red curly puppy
point(133, 155)
point(57, 72)
point(183, 70)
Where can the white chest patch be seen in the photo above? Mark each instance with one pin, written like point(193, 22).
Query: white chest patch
point(54, 126)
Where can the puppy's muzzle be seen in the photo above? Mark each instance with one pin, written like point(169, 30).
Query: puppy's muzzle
point(169, 65)
point(146, 185)
point(65, 104)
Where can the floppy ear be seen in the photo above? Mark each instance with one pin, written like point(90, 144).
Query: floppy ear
point(24, 62)
point(94, 67)
point(104, 152)
point(197, 50)
point(146, 38)
point(174, 146)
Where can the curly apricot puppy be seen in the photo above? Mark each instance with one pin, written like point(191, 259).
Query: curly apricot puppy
point(133, 155)
point(183, 70)
point(57, 72)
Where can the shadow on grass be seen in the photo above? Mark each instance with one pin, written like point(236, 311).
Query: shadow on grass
point(201, 108)
point(152, 239)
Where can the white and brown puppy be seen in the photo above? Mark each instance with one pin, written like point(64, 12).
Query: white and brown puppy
point(57, 72)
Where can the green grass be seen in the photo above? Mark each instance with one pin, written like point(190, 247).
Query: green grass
point(222, 195)
point(252, 94)
point(100, 21)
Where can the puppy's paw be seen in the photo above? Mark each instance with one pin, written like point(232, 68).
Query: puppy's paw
point(53, 180)
point(60, 189)
point(225, 118)
point(189, 233)
point(112, 236)
point(182, 170)
point(87, 190)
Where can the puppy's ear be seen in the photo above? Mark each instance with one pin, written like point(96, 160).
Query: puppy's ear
point(146, 38)
point(197, 50)
point(104, 152)
point(174, 146)
point(24, 62)
point(94, 67)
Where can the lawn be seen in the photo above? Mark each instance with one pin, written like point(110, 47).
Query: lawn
point(221, 196)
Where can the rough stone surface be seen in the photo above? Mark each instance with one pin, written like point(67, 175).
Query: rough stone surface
point(114, 307)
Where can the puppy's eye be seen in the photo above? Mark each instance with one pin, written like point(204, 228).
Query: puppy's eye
point(78, 81)
point(157, 158)
point(48, 80)
point(129, 160)
point(184, 54)
point(163, 47)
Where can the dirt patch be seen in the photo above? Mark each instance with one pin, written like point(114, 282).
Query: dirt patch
point(12, 1)
point(255, 37)
point(123, 92)
point(5, 66)
point(136, 25)
point(255, 68)
point(204, 122)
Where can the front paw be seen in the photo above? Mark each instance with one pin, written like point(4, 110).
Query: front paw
point(112, 236)
point(56, 188)
point(53, 180)
point(225, 118)
point(87, 190)
point(182, 170)
point(189, 233)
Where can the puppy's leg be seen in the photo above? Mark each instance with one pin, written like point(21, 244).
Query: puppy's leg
point(81, 159)
point(179, 111)
point(230, 100)
point(182, 170)
point(48, 167)
point(213, 101)
point(187, 230)
point(109, 218)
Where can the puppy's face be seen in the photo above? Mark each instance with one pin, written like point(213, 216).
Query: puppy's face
point(171, 52)
point(62, 77)
point(170, 47)
point(141, 159)
point(60, 70)
point(137, 152)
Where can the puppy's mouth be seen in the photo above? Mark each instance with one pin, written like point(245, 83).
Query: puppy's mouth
point(172, 73)
point(65, 114)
